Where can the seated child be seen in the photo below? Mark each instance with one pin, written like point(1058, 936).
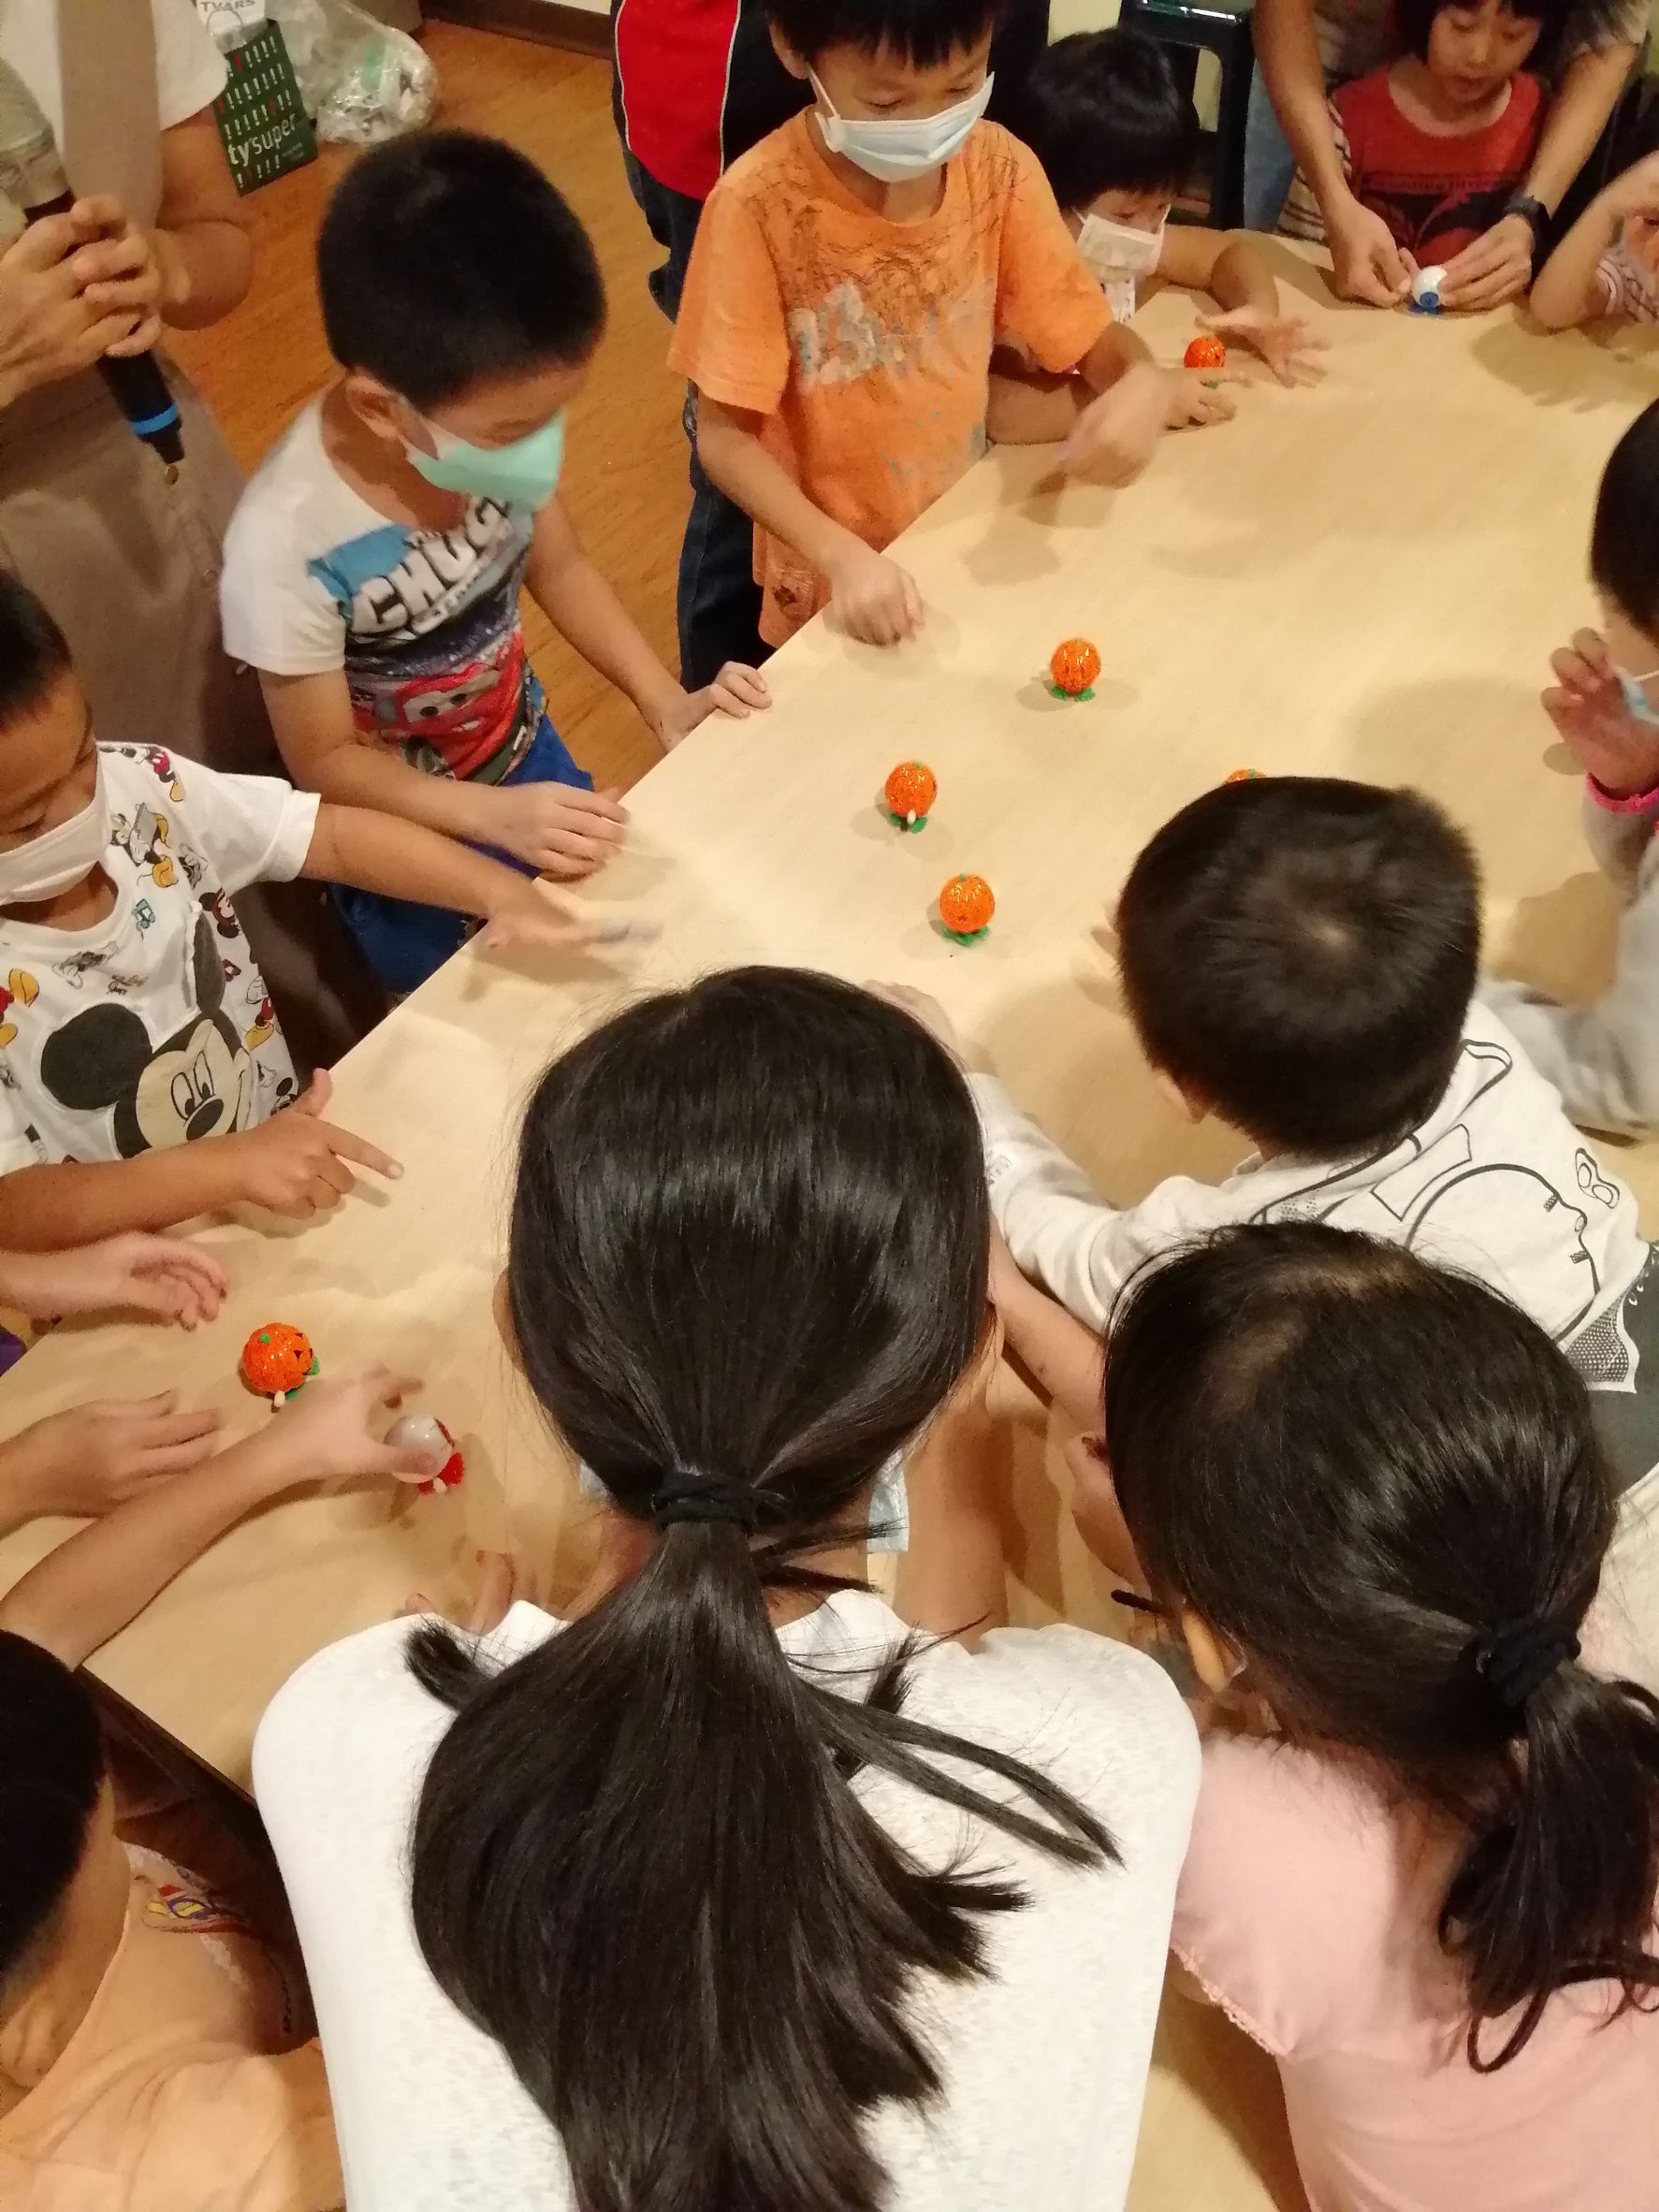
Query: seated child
point(372, 569)
point(141, 1063)
point(93, 1457)
point(153, 2049)
point(850, 276)
point(1116, 137)
point(1299, 958)
point(1374, 1493)
point(1440, 141)
point(1608, 262)
point(1604, 1059)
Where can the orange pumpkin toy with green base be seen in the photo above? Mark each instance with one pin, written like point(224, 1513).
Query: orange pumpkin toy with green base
point(277, 1361)
point(1206, 352)
point(965, 906)
point(1074, 667)
point(909, 793)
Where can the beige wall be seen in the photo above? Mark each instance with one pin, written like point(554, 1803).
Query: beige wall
point(1090, 15)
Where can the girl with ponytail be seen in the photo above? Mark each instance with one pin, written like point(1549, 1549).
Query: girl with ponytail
point(728, 1895)
point(1374, 1490)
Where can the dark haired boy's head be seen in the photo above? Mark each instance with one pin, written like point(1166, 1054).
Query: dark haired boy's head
point(34, 651)
point(1473, 48)
point(886, 61)
point(1115, 134)
point(1299, 954)
point(48, 761)
point(458, 289)
point(53, 1812)
point(1624, 568)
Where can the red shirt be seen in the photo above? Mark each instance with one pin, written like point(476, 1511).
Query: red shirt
point(1436, 194)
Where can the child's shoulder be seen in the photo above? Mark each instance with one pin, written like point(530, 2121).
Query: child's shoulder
point(294, 493)
point(784, 160)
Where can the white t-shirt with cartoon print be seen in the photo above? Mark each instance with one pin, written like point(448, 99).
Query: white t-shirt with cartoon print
point(423, 624)
point(154, 1027)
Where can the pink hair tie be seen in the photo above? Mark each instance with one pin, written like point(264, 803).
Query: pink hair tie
point(1638, 802)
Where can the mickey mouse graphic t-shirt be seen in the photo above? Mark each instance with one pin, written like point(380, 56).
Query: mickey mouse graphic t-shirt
point(154, 1026)
point(424, 623)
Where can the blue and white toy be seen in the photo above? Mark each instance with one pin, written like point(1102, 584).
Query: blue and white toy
point(1425, 291)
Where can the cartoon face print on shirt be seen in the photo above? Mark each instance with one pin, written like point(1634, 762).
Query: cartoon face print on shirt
point(143, 837)
point(196, 1082)
point(19, 989)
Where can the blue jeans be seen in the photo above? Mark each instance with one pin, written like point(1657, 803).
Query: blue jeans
point(1270, 167)
point(718, 602)
point(405, 943)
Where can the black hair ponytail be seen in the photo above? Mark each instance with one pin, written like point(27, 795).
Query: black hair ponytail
point(1382, 1483)
point(748, 1263)
point(51, 1768)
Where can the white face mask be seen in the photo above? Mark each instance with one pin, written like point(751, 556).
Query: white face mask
point(1118, 249)
point(897, 151)
point(60, 857)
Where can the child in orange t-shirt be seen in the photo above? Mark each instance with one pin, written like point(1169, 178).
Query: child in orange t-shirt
point(153, 2049)
point(850, 277)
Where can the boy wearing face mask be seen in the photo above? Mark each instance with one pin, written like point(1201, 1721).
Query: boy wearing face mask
point(372, 570)
point(1118, 139)
point(1604, 1059)
point(849, 278)
point(141, 1061)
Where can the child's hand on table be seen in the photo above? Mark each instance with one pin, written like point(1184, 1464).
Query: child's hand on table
point(297, 1164)
point(135, 1273)
point(1588, 709)
point(922, 1007)
point(1365, 262)
point(94, 1457)
point(737, 692)
point(1115, 436)
point(557, 829)
point(531, 913)
point(335, 1429)
point(875, 600)
point(1289, 345)
point(1196, 399)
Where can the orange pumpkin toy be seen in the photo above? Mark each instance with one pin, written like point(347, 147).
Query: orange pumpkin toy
point(1074, 667)
point(1205, 351)
point(1244, 776)
point(277, 1361)
point(965, 906)
point(909, 793)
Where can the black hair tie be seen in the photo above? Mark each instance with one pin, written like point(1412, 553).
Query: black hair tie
point(686, 1495)
point(1516, 1662)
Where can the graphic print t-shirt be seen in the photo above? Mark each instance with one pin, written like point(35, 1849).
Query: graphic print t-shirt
point(424, 623)
point(866, 344)
point(1437, 193)
point(154, 1026)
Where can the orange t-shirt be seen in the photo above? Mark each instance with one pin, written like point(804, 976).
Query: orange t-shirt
point(183, 2089)
point(866, 344)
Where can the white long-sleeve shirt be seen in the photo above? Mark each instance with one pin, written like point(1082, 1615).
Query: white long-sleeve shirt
point(1604, 1059)
point(1495, 1182)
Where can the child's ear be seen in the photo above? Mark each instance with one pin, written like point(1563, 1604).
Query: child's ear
point(1191, 1104)
point(1215, 1661)
point(377, 408)
point(788, 56)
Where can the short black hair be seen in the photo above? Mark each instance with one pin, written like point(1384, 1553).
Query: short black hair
point(1302, 953)
point(1415, 19)
point(447, 260)
point(923, 32)
point(52, 1769)
point(34, 651)
point(1102, 112)
point(1624, 538)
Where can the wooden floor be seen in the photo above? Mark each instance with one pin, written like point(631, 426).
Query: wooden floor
point(625, 478)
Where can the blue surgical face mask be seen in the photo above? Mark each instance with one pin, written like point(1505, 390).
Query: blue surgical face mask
point(898, 150)
point(1640, 707)
point(525, 473)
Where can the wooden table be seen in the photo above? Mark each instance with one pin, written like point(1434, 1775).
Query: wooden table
point(1363, 580)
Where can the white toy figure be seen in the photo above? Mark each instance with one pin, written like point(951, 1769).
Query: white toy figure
point(1425, 291)
point(425, 1432)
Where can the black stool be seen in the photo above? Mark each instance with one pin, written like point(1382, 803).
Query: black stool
point(1225, 32)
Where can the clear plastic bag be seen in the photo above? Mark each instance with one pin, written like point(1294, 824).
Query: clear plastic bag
point(362, 81)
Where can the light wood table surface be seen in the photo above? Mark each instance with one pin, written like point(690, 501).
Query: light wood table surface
point(1362, 580)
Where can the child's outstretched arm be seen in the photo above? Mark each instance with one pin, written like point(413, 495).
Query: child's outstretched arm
point(1065, 1360)
point(1115, 438)
point(1235, 273)
point(875, 600)
point(87, 1591)
point(1571, 289)
point(585, 610)
point(1030, 407)
point(149, 1274)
